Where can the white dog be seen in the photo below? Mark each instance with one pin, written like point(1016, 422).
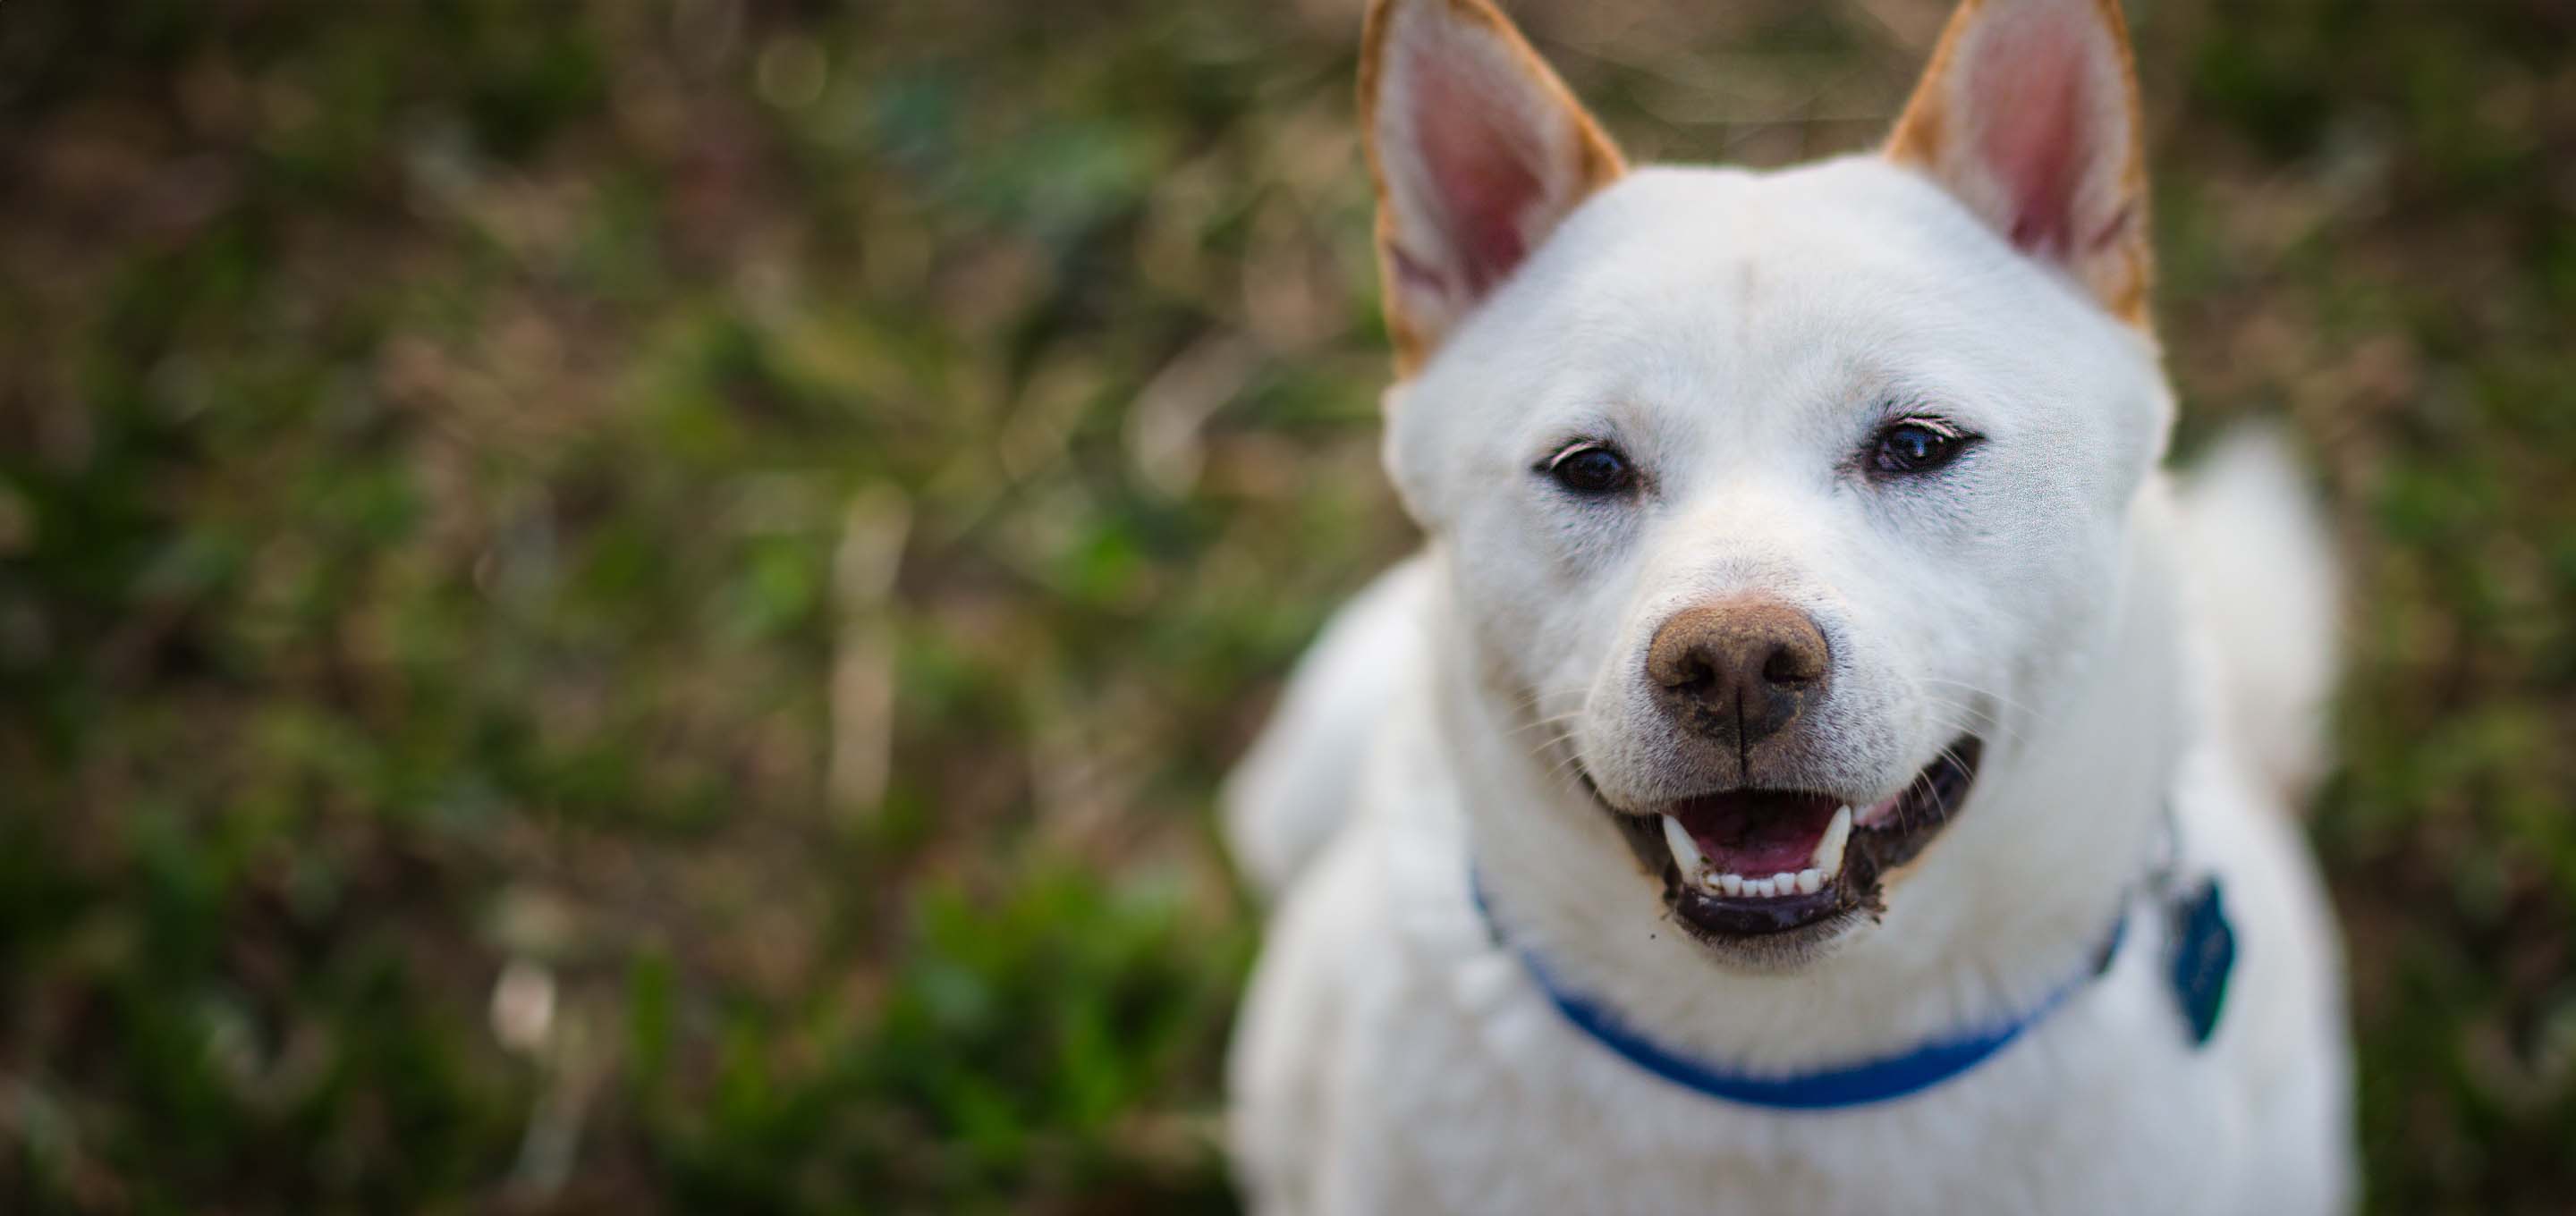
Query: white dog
point(1819, 762)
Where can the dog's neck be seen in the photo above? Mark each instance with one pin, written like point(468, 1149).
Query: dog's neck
point(2012, 899)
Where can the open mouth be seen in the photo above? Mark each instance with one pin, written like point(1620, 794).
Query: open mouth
point(1746, 863)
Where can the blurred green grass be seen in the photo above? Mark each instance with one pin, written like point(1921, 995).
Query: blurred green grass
point(763, 522)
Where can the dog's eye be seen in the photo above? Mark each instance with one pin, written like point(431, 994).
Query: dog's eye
point(1915, 445)
point(1592, 469)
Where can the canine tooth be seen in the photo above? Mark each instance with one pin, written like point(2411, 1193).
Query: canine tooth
point(1685, 850)
point(1730, 884)
point(1829, 851)
point(1810, 881)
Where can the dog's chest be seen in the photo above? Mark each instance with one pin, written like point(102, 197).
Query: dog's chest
point(1491, 1102)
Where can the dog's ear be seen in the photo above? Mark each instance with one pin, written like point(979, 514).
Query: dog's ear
point(2029, 115)
point(1477, 150)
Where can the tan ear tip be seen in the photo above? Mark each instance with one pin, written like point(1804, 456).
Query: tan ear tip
point(1916, 141)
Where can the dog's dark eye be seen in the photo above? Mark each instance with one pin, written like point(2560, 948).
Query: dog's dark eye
point(1591, 469)
point(1915, 445)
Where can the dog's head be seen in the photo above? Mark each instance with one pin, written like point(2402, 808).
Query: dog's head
point(1773, 501)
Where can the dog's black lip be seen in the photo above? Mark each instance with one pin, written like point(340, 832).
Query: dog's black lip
point(1934, 796)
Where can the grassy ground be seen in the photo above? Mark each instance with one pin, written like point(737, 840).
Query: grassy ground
point(636, 605)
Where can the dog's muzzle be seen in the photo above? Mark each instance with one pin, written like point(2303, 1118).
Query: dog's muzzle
point(1747, 863)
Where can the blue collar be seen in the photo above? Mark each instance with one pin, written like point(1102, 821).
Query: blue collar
point(1869, 1081)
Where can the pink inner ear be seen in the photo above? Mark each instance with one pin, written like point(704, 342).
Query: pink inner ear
point(2030, 84)
point(1479, 164)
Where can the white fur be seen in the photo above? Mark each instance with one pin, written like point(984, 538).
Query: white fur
point(2266, 589)
point(1281, 805)
point(1740, 335)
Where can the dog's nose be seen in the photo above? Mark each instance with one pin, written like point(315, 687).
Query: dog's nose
point(1737, 671)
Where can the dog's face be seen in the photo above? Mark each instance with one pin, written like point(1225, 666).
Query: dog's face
point(1772, 501)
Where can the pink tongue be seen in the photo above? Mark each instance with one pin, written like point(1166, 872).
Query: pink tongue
point(1756, 832)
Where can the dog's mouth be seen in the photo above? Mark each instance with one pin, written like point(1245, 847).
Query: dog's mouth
point(1752, 863)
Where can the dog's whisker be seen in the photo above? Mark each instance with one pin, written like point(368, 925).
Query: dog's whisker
point(1974, 714)
point(1557, 740)
point(1536, 723)
point(1975, 690)
point(1971, 717)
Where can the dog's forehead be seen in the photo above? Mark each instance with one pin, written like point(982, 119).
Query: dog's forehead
point(1715, 209)
point(1838, 258)
point(1768, 307)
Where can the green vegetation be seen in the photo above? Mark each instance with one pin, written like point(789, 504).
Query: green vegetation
point(474, 477)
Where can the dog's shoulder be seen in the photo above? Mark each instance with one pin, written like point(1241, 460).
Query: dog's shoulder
point(1353, 1013)
point(1295, 788)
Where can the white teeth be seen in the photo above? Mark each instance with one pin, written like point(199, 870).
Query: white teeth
point(1828, 864)
point(1829, 850)
point(1686, 852)
point(1804, 882)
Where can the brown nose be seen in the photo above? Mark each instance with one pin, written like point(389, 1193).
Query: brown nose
point(1739, 670)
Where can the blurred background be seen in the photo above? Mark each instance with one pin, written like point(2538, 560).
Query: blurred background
point(636, 606)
